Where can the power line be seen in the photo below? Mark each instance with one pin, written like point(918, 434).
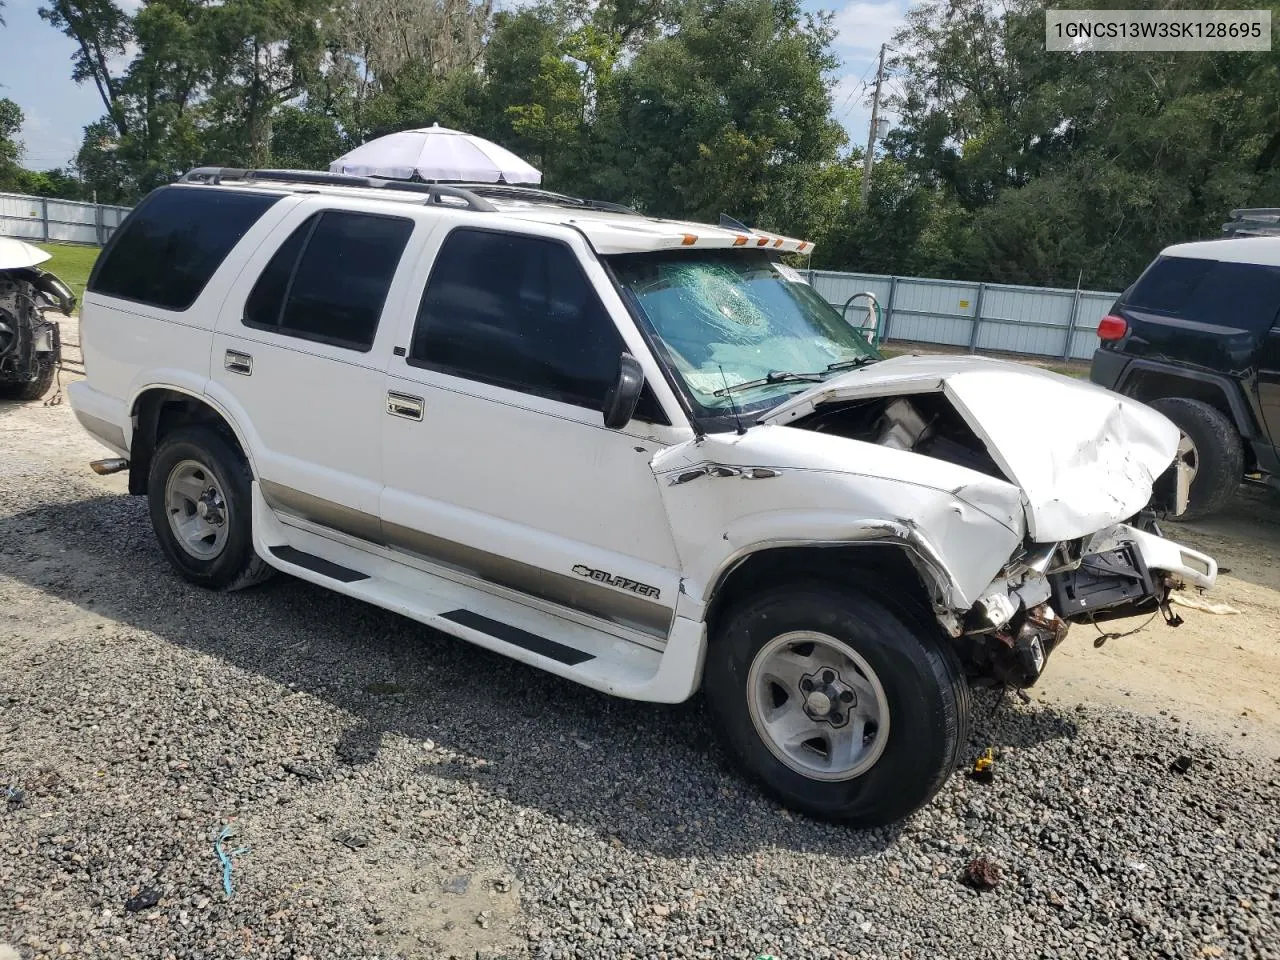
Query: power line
point(860, 87)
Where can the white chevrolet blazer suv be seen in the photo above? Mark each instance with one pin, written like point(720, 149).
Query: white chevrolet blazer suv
point(641, 454)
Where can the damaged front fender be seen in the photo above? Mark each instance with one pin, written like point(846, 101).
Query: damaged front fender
point(728, 496)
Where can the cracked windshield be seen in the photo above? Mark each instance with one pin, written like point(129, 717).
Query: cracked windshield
point(740, 325)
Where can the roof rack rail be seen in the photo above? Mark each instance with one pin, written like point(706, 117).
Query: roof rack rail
point(516, 191)
point(435, 192)
point(1255, 213)
point(1253, 222)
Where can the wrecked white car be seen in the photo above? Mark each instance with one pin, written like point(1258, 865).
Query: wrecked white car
point(640, 454)
point(30, 344)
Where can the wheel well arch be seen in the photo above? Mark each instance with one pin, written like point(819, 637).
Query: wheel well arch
point(1146, 383)
point(160, 410)
point(885, 571)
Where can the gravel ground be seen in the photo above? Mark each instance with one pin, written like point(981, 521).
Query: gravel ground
point(397, 793)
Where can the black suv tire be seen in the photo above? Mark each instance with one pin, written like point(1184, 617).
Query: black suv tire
point(923, 716)
point(1218, 452)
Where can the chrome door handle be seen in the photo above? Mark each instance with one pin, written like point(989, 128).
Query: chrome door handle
point(404, 405)
point(238, 362)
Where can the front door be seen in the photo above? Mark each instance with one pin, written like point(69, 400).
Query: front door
point(495, 455)
point(300, 360)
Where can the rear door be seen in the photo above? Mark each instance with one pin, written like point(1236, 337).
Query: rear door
point(299, 356)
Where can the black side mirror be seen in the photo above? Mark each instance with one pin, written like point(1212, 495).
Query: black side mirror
point(620, 402)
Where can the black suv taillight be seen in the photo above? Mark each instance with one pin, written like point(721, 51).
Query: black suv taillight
point(1112, 327)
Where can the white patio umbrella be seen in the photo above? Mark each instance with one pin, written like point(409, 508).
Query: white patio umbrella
point(436, 153)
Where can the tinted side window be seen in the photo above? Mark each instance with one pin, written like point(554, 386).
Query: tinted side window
point(174, 242)
point(329, 280)
point(1240, 295)
point(1219, 292)
point(516, 312)
point(1167, 284)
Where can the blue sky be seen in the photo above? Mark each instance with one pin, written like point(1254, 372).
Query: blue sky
point(35, 72)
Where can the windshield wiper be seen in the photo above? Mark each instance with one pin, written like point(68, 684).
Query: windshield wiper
point(778, 376)
point(851, 364)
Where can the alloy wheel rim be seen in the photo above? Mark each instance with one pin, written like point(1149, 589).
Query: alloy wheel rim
point(198, 512)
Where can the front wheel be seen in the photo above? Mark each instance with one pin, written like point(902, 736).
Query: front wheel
point(843, 709)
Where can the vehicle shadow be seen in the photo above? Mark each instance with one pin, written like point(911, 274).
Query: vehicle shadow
point(503, 727)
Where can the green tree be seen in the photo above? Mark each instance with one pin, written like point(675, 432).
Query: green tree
point(101, 31)
point(10, 146)
point(261, 56)
point(1073, 166)
point(730, 113)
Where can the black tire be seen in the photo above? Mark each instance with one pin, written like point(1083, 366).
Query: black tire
point(46, 370)
point(923, 683)
point(1219, 453)
point(237, 565)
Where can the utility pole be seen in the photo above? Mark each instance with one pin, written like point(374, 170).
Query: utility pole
point(871, 136)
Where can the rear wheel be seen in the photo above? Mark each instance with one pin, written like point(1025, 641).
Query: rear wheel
point(1211, 450)
point(199, 498)
point(843, 709)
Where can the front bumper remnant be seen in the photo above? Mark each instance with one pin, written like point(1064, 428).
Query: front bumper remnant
point(1120, 571)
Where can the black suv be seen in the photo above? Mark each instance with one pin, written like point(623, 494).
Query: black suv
point(1197, 336)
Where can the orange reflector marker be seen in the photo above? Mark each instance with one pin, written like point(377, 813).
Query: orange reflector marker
point(739, 241)
point(778, 242)
point(688, 240)
point(803, 244)
point(762, 242)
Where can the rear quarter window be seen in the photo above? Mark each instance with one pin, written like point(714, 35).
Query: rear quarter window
point(174, 242)
point(1219, 292)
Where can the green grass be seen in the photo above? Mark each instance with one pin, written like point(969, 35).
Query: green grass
point(71, 263)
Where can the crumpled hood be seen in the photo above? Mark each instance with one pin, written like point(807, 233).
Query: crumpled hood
point(16, 255)
point(1084, 457)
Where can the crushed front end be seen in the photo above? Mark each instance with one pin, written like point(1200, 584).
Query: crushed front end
point(1121, 571)
point(30, 347)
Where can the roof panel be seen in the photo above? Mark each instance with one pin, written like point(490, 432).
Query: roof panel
point(1260, 250)
point(615, 233)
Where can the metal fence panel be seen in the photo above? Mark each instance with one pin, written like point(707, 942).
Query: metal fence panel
point(67, 221)
point(21, 228)
point(1042, 322)
point(839, 287)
